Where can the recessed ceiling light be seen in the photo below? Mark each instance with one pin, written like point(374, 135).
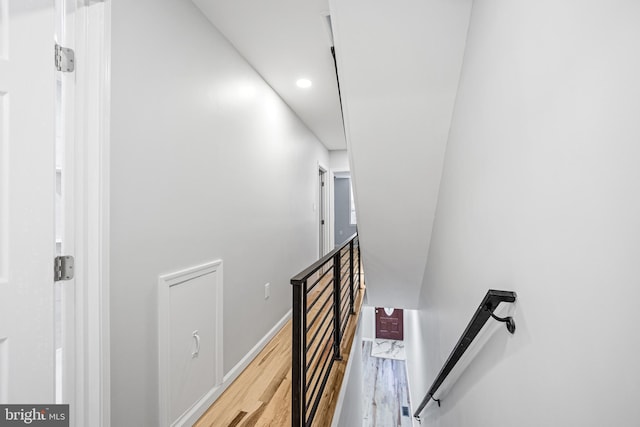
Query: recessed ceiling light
point(303, 83)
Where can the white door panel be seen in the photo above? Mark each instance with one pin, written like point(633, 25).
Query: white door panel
point(27, 201)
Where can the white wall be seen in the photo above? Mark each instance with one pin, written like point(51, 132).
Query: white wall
point(349, 410)
point(541, 195)
point(399, 67)
point(207, 163)
point(417, 375)
point(368, 321)
point(339, 160)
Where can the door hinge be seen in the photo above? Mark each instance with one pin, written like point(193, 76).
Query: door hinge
point(65, 59)
point(63, 268)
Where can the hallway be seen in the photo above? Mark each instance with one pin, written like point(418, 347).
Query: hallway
point(490, 145)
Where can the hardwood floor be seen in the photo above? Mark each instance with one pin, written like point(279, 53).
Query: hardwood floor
point(250, 399)
point(385, 391)
point(261, 395)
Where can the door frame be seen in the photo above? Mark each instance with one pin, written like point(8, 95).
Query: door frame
point(92, 391)
point(323, 232)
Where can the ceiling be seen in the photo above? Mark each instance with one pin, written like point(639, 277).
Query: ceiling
point(400, 65)
point(285, 40)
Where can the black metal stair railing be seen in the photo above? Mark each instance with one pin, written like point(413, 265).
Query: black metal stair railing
point(323, 300)
point(483, 313)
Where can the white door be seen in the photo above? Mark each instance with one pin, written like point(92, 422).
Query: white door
point(27, 185)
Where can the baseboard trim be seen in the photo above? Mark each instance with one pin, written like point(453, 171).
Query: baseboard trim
point(197, 410)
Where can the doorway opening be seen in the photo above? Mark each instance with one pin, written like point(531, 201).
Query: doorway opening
point(344, 211)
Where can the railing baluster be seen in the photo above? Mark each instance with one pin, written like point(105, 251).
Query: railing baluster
point(336, 306)
point(359, 264)
point(351, 272)
point(297, 395)
point(305, 312)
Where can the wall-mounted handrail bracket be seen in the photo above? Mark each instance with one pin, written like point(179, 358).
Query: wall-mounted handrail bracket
point(436, 400)
point(510, 323)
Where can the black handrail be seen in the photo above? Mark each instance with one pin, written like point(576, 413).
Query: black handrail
point(482, 314)
point(308, 272)
point(317, 335)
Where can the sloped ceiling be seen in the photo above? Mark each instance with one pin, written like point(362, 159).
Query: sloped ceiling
point(285, 40)
point(399, 65)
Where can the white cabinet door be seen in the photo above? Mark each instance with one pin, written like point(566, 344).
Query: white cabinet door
point(27, 173)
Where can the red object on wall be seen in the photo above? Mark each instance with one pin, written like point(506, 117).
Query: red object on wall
point(389, 325)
